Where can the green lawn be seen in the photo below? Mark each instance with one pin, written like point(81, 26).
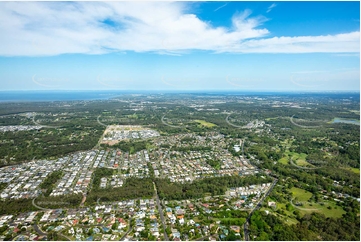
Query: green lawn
point(330, 213)
point(283, 160)
point(355, 170)
point(290, 221)
point(267, 119)
point(334, 213)
point(205, 123)
point(303, 196)
point(300, 194)
point(231, 220)
point(196, 219)
point(298, 158)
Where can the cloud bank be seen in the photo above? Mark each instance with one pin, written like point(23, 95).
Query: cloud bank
point(54, 28)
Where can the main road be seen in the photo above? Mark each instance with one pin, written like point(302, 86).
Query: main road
point(160, 213)
point(129, 229)
point(38, 230)
point(246, 224)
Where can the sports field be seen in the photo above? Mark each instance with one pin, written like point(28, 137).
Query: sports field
point(205, 123)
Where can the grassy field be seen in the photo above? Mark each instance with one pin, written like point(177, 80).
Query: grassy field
point(300, 194)
point(298, 158)
point(355, 170)
point(267, 119)
point(288, 220)
point(283, 160)
point(301, 161)
point(232, 220)
point(205, 123)
point(334, 212)
point(303, 196)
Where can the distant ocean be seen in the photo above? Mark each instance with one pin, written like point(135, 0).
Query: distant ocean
point(49, 96)
point(46, 96)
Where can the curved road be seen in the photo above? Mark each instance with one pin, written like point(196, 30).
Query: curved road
point(303, 126)
point(38, 207)
point(305, 168)
point(237, 126)
point(101, 122)
point(45, 126)
point(305, 209)
point(173, 126)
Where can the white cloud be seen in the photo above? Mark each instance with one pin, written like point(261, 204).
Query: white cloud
point(271, 7)
point(53, 28)
point(349, 42)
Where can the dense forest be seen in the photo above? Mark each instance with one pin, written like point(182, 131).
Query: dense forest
point(16, 206)
point(50, 181)
point(132, 188)
point(129, 146)
point(200, 188)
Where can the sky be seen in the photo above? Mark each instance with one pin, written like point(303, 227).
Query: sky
point(219, 46)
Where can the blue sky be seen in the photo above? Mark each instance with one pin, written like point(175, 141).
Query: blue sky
point(257, 46)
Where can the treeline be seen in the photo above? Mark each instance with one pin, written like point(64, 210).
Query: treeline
point(216, 164)
point(64, 201)
point(49, 182)
point(188, 139)
point(231, 217)
point(132, 188)
point(129, 146)
point(191, 148)
point(200, 188)
point(14, 120)
point(16, 206)
point(2, 186)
